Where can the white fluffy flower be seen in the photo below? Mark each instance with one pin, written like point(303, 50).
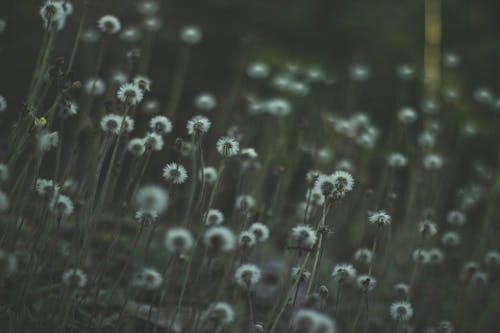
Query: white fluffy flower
point(247, 275)
point(260, 230)
point(178, 240)
point(380, 218)
point(427, 228)
point(146, 217)
point(227, 146)
point(344, 273)
point(397, 160)
point(153, 141)
point(220, 312)
point(143, 82)
point(68, 108)
point(402, 311)
point(456, 218)
point(407, 115)
point(258, 70)
point(130, 93)
point(63, 206)
point(74, 278)
point(209, 175)
point(191, 34)
point(312, 321)
point(198, 125)
point(95, 87)
point(219, 239)
point(213, 217)
point(304, 236)
point(111, 123)
point(245, 202)
point(109, 24)
point(433, 162)
point(136, 147)
point(246, 239)
point(366, 283)
point(152, 197)
point(47, 140)
point(174, 173)
point(451, 238)
point(148, 278)
point(161, 125)
point(205, 102)
point(363, 255)
point(53, 15)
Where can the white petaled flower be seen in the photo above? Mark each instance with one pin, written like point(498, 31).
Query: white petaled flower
point(63, 206)
point(380, 218)
point(47, 140)
point(109, 24)
point(143, 82)
point(304, 236)
point(278, 107)
point(227, 146)
point(258, 70)
point(191, 34)
point(433, 162)
point(427, 228)
point(68, 108)
point(246, 239)
point(153, 141)
point(407, 115)
point(426, 140)
point(312, 321)
point(247, 275)
point(198, 125)
point(208, 175)
point(178, 240)
point(220, 312)
point(343, 181)
point(174, 173)
point(451, 238)
point(397, 160)
point(492, 258)
point(343, 273)
point(46, 187)
point(303, 275)
point(111, 123)
point(213, 217)
point(325, 184)
point(74, 278)
point(4, 172)
point(3, 104)
point(161, 125)
point(219, 239)
point(130, 93)
point(456, 218)
point(205, 102)
point(146, 217)
point(436, 256)
point(401, 288)
point(366, 283)
point(401, 311)
point(4, 201)
point(95, 87)
point(245, 202)
point(148, 278)
point(53, 15)
point(315, 196)
point(421, 256)
point(260, 230)
point(152, 197)
point(128, 124)
point(136, 147)
point(363, 255)
point(248, 153)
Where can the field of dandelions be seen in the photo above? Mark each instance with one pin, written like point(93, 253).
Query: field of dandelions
point(142, 192)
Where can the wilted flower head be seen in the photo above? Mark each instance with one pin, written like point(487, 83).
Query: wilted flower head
point(74, 278)
point(219, 239)
point(109, 24)
point(312, 321)
point(198, 125)
point(304, 236)
point(247, 275)
point(130, 94)
point(213, 217)
point(401, 311)
point(260, 230)
point(148, 278)
point(343, 273)
point(152, 197)
point(191, 34)
point(380, 218)
point(178, 240)
point(174, 173)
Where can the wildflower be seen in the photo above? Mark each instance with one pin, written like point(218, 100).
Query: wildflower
point(220, 312)
point(68, 108)
point(421, 256)
point(153, 141)
point(4, 201)
point(136, 147)
point(74, 278)
point(343, 273)
point(3, 104)
point(152, 197)
point(401, 289)
point(143, 82)
point(397, 160)
point(248, 153)
point(53, 15)
point(304, 236)
point(436, 256)
point(407, 115)
point(245, 202)
point(148, 278)
point(111, 123)
point(325, 184)
point(161, 125)
point(213, 217)
point(198, 125)
point(364, 255)
point(47, 140)
point(427, 228)
point(343, 181)
point(227, 146)
point(260, 231)
point(380, 218)
point(146, 217)
point(95, 87)
point(366, 283)
point(174, 173)
point(130, 94)
point(219, 239)
point(359, 72)
point(450, 238)
point(258, 70)
point(178, 240)
point(492, 258)
point(315, 196)
point(109, 24)
point(444, 326)
point(148, 7)
point(151, 105)
point(191, 34)
point(401, 311)
point(312, 321)
point(246, 239)
point(46, 187)
point(209, 175)
point(247, 275)
point(479, 279)
point(456, 218)
point(205, 102)
point(278, 107)
point(468, 269)
point(429, 106)
point(303, 275)
point(426, 140)
point(63, 206)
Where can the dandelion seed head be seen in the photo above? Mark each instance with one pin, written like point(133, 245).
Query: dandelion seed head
point(366, 283)
point(175, 173)
point(363, 255)
point(151, 105)
point(258, 70)
point(191, 34)
point(401, 310)
point(260, 231)
point(397, 160)
point(468, 269)
point(68, 108)
point(219, 238)
point(427, 228)
point(198, 125)
point(74, 278)
point(436, 256)
point(359, 72)
point(303, 275)
point(95, 87)
point(479, 279)
point(136, 147)
point(109, 24)
point(131, 34)
point(130, 94)
point(152, 197)
point(205, 102)
point(213, 217)
point(401, 289)
point(456, 218)
point(343, 273)
point(451, 59)
point(111, 123)
point(143, 82)
point(451, 238)
point(227, 146)
point(278, 107)
point(245, 202)
point(209, 175)
point(405, 72)
point(178, 240)
point(426, 140)
point(444, 326)
point(246, 239)
point(148, 278)
point(422, 256)
point(247, 275)
point(220, 312)
point(152, 23)
point(148, 7)
point(492, 258)
point(62, 205)
point(344, 182)
point(146, 217)
point(407, 115)
point(312, 321)
point(379, 218)
point(248, 153)
point(304, 236)
point(53, 15)
point(433, 161)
